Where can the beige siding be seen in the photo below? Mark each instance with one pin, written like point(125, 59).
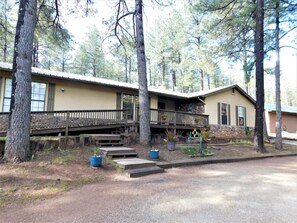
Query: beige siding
point(169, 104)
point(1, 91)
point(78, 96)
point(234, 99)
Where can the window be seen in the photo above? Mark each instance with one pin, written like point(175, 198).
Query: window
point(241, 115)
point(223, 114)
point(37, 96)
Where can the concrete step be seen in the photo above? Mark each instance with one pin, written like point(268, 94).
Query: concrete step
point(139, 172)
point(121, 155)
point(134, 163)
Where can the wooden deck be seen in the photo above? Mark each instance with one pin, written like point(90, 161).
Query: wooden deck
point(52, 122)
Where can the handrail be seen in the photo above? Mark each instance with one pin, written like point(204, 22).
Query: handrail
point(66, 119)
point(41, 120)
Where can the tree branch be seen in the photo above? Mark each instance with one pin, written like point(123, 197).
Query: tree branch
point(287, 32)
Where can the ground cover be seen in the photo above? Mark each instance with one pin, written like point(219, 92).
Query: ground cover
point(53, 172)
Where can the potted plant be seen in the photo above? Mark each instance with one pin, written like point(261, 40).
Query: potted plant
point(154, 153)
point(170, 139)
point(96, 159)
point(163, 117)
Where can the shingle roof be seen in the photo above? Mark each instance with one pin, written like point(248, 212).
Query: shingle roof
point(107, 82)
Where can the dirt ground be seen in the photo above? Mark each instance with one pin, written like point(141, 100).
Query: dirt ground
point(53, 172)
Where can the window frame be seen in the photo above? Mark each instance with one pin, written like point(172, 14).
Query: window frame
point(220, 111)
point(238, 122)
point(8, 97)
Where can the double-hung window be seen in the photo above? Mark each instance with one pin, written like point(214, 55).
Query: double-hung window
point(241, 116)
point(223, 114)
point(37, 96)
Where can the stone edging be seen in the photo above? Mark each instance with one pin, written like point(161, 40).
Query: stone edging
point(180, 163)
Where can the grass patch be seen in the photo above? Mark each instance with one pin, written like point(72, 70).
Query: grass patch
point(242, 142)
point(64, 159)
point(197, 151)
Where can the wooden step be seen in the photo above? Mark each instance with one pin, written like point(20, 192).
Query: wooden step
point(113, 150)
point(134, 163)
point(109, 144)
point(139, 172)
point(105, 136)
point(122, 155)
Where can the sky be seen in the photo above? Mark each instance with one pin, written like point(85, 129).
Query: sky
point(79, 26)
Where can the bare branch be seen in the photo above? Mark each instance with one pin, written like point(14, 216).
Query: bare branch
point(119, 18)
point(225, 6)
point(292, 47)
point(287, 32)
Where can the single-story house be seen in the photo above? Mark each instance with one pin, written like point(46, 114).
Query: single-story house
point(57, 92)
point(289, 118)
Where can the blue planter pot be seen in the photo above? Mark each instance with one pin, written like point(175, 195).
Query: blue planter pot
point(154, 154)
point(96, 161)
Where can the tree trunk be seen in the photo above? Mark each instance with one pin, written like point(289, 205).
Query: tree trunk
point(259, 51)
point(163, 71)
point(144, 120)
point(35, 54)
point(202, 80)
point(150, 72)
point(17, 147)
point(5, 33)
point(278, 124)
point(126, 68)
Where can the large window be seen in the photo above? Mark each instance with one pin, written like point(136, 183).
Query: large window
point(37, 96)
point(241, 116)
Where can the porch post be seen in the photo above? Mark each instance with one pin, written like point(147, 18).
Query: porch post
point(67, 123)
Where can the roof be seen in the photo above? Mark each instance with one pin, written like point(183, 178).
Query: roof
point(112, 83)
point(284, 108)
point(214, 91)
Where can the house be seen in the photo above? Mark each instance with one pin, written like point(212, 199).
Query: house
point(69, 100)
point(289, 118)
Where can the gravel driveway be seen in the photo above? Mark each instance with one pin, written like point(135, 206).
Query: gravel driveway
point(255, 191)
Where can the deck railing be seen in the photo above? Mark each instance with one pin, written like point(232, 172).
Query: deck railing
point(177, 118)
point(68, 119)
point(64, 120)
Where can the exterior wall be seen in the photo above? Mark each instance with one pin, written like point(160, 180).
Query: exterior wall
point(170, 104)
point(76, 95)
point(1, 90)
point(230, 132)
point(289, 122)
point(81, 96)
point(234, 99)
